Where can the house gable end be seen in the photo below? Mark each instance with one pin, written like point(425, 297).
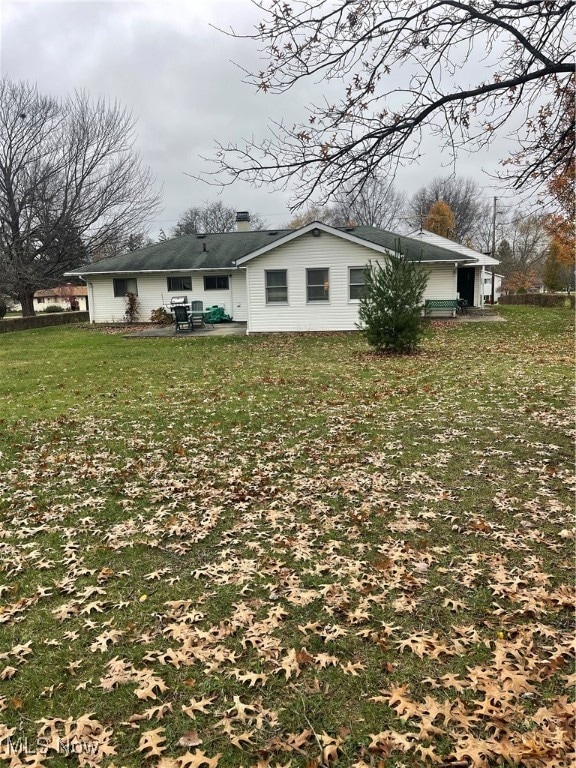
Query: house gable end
point(314, 226)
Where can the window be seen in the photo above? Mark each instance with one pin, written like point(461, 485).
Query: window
point(276, 286)
point(182, 283)
point(124, 286)
point(356, 282)
point(317, 285)
point(216, 283)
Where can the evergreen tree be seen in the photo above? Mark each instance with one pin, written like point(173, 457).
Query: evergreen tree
point(391, 307)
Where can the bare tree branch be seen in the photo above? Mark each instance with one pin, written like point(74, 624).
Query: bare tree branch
point(71, 185)
point(403, 66)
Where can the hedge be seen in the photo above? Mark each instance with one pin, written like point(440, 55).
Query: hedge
point(42, 321)
point(539, 299)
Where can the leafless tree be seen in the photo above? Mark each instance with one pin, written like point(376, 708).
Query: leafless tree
point(211, 217)
point(327, 214)
point(470, 208)
point(71, 184)
point(406, 70)
point(376, 204)
point(524, 243)
point(528, 240)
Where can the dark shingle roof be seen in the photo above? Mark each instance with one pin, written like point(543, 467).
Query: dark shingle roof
point(412, 248)
point(221, 250)
point(187, 252)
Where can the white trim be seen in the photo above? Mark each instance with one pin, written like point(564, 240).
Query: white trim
point(183, 271)
point(275, 303)
point(354, 301)
point(318, 301)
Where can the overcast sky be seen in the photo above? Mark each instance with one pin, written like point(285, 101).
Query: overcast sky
point(176, 73)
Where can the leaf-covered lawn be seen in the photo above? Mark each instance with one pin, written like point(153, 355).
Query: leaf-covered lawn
point(285, 551)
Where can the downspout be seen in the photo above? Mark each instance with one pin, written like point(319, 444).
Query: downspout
point(482, 278)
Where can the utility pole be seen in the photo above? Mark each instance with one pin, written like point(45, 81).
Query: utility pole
point(492, 290)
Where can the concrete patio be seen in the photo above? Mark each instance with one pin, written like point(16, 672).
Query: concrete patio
point(163, 331)
point(239, 329)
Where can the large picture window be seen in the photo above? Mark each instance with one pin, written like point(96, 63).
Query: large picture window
point(180, 283)
point(276, 286)
point(216, 283)
point(125, 285)
point(356, 283)
point(317, 285)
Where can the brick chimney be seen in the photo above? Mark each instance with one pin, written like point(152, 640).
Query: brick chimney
point(242, 221)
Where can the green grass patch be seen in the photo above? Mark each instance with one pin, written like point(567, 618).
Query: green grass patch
point(285, 548)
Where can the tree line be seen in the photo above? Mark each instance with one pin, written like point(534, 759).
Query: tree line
point(533, 247)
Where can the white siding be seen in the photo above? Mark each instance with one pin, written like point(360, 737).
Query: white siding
point(239, 301)
point(153, 293)
point(339, 314)
point(477, 286)
point(442, 282)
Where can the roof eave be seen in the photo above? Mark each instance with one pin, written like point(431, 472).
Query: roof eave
point(81, 273)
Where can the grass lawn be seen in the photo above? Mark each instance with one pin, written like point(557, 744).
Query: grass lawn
point(286, 551)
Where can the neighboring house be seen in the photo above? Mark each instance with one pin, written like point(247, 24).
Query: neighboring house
point(488, 286)
point(471, 277)
point(64, 296)
point(308, 279)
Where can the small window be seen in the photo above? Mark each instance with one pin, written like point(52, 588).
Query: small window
point(181, 283)
point(216, 283)
point(317, 285)
point(356, 283)
point(276, 286)
point(124, 286)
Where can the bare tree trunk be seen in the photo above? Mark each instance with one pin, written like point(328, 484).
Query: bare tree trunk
point(26, 300)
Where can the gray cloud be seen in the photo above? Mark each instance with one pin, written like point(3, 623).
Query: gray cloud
point(175, 72)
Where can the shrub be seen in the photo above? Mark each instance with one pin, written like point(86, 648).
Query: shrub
point(132, 308)
point(53, 308)
point(3, 307)
point(391, 307)
point(161, 316)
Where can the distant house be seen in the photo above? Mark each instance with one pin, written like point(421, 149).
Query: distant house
point(307, 279)
point(498, 278)
point(66, 297)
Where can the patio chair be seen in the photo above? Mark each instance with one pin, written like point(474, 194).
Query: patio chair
point(182, 319)
point(197, 315)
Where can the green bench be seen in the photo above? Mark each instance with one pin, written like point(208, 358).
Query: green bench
point(432, 304)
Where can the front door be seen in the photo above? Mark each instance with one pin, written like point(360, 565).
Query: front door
point(465, 284)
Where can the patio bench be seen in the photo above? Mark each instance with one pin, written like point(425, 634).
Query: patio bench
point(432, 304)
